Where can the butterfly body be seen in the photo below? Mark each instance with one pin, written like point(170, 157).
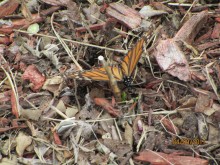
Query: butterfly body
point(122, 72)
point(127, 81)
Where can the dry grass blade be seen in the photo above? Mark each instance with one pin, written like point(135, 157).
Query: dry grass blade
point(75, 42)
point(64, 45)
point(211, 81)
point(13, 85)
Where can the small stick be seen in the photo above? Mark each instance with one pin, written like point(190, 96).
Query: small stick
point(112, 81)
point(74, 42)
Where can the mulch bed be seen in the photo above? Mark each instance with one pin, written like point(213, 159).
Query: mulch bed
point(99, 82)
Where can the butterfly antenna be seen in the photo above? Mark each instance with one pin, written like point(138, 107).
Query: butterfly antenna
point(112, 80)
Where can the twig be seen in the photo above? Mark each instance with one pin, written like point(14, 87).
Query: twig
point(193, 4)
point(64, 45)
point(211, 80)
point(59, 112)
point(12, 82)
point(75, 94)
point(189, 5)
point(112, 81)
point(75, 42)
point(142, 114)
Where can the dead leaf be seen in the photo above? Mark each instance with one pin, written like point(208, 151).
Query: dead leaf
point(54, 85)
point(107, 106)
point(204, 103)
point(202, 126)
point(67, 154)
point(120, 148)
point(213, 134)
point(23, 141)
point(61, 106)
point(7, 161)
point(56, 138)
point(50, 52)
point(114, 133)
point(106, 125)
point(92, 13)
point(128, 134)
point(187, 102)
point(40, 151)
point(9, 143)
point(148, 11)
point(31, 114)
point(72, 13)
point(71, 111)
point(170, 126)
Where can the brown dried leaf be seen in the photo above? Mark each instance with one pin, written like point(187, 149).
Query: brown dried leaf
point(61, 106)
point(54, 85)
point(120, 148)
point(23, 141)
point(203, 103)
point(31, 114)
point(213, 134)
point(148, 11)
point(56, 138)
point(128, 134)
point(170, 126)
point(9, 143)
point(187, 102)
point(71, 111)
point(13, 160)
point(107, 106)
point(202, 126)
point(72, 13)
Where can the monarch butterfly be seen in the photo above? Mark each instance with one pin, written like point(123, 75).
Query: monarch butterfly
point(122, 72)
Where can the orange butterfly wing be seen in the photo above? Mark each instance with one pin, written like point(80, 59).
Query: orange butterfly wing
point(98, 74)
point(131, 59)
point(124, 70)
